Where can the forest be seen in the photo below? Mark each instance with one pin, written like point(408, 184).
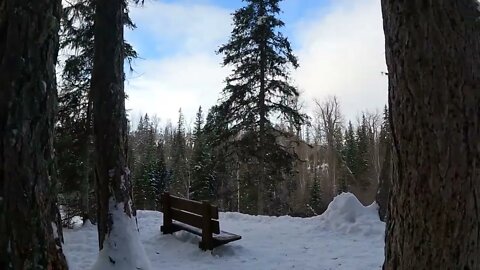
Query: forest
point(402, 179)
point(330, 158)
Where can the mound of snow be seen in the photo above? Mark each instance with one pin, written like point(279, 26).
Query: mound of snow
point(122, 249)
point(342, 239)
point(346, 214)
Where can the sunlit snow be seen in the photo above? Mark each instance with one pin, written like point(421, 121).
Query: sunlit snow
point(347, 236)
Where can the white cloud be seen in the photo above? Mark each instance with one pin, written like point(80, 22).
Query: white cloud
point(342, 54)
point(179, 81)
point(189, 73)
point(193, 27)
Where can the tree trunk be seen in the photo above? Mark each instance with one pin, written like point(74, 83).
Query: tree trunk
point(117, 230)
point(262, 179)
point(433, 58)
point(30, 234)
point(385, 184)
point(86, 168)
point(85, 181)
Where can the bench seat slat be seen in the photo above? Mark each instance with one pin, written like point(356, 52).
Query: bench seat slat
point(191, 206)
point(222, 237)
point(193, 219)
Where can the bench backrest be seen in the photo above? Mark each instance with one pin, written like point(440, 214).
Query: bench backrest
point(191, 212)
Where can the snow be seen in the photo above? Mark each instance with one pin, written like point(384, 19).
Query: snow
point(122, 249)
point(55, 230)
point(347, 236)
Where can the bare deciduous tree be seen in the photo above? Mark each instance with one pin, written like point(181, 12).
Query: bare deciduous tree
point(330, 123)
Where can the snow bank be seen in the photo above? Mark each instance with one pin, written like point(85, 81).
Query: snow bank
point(122, 249)
point(347, 215)
point(347, 236)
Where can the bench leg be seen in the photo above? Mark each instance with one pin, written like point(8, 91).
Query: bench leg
point(205, 246)
point(207, 239)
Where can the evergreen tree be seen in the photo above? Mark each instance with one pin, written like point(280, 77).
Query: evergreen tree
point(73, 142)
point(222, 162)
point(179, 185)
point(433, 59)
point(362, 157)
point(203, 186)
point(160, 174)
point(144, 175)
point(257, 90)
point(316, 196)
point(113, 177)
point(350, 149)
point(386, 172)
point(385, 132)
point(30, 233)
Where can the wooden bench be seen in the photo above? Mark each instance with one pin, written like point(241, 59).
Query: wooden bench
point(199, 218)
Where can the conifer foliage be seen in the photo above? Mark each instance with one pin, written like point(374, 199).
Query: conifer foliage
point(203, 180)
point(74, 141)
point(259, 89)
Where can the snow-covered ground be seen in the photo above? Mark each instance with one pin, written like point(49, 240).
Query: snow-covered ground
point(347, 236)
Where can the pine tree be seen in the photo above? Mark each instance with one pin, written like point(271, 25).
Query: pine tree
point(315, 196)
point(203, 186)
point(222, 162)
point(113, 178)
point(144, 148)
point(362, 157)
point(350, 149)
point(74, 143)
point(257, 90)
point(160, 174)
point(386, 175)
point(30, 233)
point(179, 185)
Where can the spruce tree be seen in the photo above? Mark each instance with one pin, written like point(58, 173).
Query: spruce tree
point(433, 59)
point(386, 175)
point(179, 185)
point(362, 154)
point(160, 174)
point(74, 142)
point(202, 187)
point(222, 162)
point(30, 233)
point(315, 196)
point(350, 149)
point(257, 90)
point(144, 173)
point(116, 216)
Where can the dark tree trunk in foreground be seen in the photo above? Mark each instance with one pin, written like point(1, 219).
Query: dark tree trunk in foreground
point(385, 184)
point(30, 235)
point(110, 122)
point(117, 228)
point(433, 58)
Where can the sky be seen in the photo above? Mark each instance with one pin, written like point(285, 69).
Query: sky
point(339, 44)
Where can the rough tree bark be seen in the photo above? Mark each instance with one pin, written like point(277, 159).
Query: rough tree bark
point(433, 58)
point(385, 184)
point(117, 231)
point(30, 233)
point(110, 122)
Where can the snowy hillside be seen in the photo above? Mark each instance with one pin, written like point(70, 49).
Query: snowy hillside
point(347, 236)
